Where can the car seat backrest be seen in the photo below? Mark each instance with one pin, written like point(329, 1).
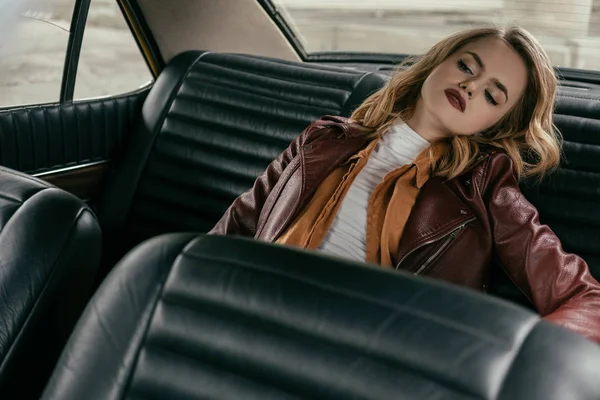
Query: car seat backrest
point(210, 125)
point(187, 316)
point(50, 245)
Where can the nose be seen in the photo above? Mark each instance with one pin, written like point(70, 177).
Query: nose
point(468, 87)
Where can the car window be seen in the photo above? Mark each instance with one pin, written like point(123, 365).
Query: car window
point(33, 46)
point(569, 30)
point(110, 62)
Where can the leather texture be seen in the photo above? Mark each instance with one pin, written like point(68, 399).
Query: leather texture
point(470, 220)
point(185, 316)
point(569, 199)
point(51, 244)
point(289, 181)
point(209, 126)
point(39, 139)
point(213, 122)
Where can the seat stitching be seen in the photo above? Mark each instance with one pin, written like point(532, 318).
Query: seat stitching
point(279, 63)
point(437, 380)
point(220, 100)
point(13, 199)
point(26, 177)
point(579, 97)
point(516, 354)
point(165, 276)
point(182, 356)
point(368, 351)
point(144, 156)
point(305, 65)
point(12, 110)
point(359, 296)
point(308, 83)
point(205, 124)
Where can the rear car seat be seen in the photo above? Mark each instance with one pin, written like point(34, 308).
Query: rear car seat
point(50, 243)
point(209, 126)
point(186, 316)
point(213, 122)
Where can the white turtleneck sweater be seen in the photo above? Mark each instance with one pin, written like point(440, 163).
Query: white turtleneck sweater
point(347, 234)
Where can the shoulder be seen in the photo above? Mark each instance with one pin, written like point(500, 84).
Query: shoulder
point(497, 161)
point(341, 127)
point(493, 168)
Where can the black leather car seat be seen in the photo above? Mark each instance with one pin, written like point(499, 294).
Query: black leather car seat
point(209, 126)
point(213, 317)
point(50, 244)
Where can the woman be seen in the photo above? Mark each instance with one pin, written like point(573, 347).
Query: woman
point(424, 177)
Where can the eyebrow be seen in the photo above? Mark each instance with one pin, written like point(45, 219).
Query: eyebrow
point(499, 85)
point(477, 59)
point(503, 88)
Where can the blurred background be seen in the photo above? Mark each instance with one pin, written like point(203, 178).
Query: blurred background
point(34, 35)
point(33, 41)
point(568, 29)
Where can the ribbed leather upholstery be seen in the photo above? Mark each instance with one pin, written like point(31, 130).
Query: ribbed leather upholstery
point(210, 125)
point(214, 121)
point(212, 317)
point(51, 245)
point(42, 138)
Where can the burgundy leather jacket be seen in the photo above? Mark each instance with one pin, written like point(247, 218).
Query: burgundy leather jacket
point(456, 231)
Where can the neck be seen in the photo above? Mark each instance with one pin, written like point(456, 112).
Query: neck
point(422, 123)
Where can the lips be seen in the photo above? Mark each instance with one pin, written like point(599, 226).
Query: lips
point(456, 99)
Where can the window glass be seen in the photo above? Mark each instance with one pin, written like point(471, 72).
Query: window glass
point(34, 35)
point(569, 30)
point(110, 62)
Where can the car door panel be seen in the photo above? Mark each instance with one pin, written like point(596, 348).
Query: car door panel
point(70, 144)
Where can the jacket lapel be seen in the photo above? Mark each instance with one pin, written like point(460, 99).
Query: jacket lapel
point(321, 158)
point(437, 212)
point(317, 160)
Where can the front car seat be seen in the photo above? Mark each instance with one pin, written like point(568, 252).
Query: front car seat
point(212, 317)
point(50, 244)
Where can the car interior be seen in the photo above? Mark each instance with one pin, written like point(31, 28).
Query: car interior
point(111, 289)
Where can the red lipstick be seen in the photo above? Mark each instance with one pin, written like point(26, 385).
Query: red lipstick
point(456, 99)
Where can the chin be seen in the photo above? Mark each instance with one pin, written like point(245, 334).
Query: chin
point(451, 128)
point(456, 132)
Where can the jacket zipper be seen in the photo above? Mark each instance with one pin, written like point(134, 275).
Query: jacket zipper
point(449, 237)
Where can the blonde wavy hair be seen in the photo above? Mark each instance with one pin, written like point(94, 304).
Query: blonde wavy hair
point(526, 133)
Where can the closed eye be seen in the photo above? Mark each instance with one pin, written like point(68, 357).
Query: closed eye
point(490, 99)
point(464, 67)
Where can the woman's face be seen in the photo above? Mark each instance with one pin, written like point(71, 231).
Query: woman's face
point(472, 89)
